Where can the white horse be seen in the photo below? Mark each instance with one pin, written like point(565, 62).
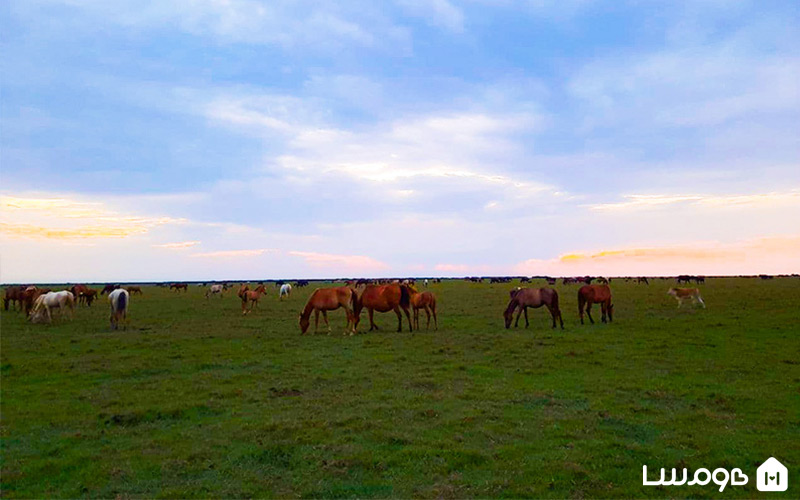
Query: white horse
point(220, 289)
point(285, 290)
point(52, 300)
point(119, 300)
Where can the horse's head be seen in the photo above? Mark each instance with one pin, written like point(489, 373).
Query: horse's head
point(508, 315)
point(304, 322)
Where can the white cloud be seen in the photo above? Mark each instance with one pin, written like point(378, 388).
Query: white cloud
point(440, 13)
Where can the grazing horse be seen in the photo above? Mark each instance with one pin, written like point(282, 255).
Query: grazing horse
point(591, 294)
point(523, 298)
point(179, 286)
point(108, 289)
point(88, 295)
point(51, 300)
point(29, 296)
point(220, 289)
point(286, 290)
point(250, 297)
point(686, 293)
point(385, 298)
point(426, 301)
point(13, 294)
point(119, 300)
point(133, 289)
point(329, 299)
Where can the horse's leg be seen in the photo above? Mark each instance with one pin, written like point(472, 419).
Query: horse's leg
point(372, 325)
point(526, 316)
point(428, 315)
point(701, 301)
point(588, 312)
point(603, 311)
point(325, 317)
point(316, 320)
point(399, 318)
point(408, 316)
point(435, 319)
point(519, 313)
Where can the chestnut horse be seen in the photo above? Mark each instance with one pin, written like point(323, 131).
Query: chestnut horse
point(426, 301)
point(250, 296)
point(108, 289)
point(591, 294)
point(179, 286)
point(385, 298)
point(133, 289)
point(329, 299)
point(523, 298)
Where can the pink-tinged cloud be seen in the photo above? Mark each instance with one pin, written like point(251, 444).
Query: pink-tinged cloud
point(177, 246)
point(773, 255)
point(340, 262)
point(234, 253)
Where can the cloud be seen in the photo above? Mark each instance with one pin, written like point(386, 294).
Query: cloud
point(347, 263)
point(773, 255)
point(63, 219)
point(440, 13)
point(654, 201)
point(234, 253)
point(177, 246)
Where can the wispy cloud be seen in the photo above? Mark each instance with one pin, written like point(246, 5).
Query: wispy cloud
point(655, 201)
point(234, 253)
point(343, 262)
point(63, 218)
point(178, 245)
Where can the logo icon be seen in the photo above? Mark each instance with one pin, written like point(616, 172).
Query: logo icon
point(772, 476)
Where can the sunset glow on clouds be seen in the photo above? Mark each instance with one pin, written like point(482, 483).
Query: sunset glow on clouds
point(307, 139)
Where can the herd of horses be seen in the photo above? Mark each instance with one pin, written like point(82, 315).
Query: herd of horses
point(383, 296)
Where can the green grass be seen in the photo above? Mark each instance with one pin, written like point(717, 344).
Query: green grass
point(194, 400)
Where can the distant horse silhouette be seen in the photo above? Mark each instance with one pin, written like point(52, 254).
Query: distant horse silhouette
point(133, 289)
point(179, 286)
point(108, 289)
point(250, 297)
point(591, 294)
point(213, 289)
point(329, 299)
point(426, 301)
point(523, 298)
point(385, 298)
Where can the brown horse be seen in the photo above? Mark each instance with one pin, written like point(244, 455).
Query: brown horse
point(29, 296)
point(426, 301)
point(89, 295)
point(250, 296)
point(591, 294)
point(108, 289)
point(133, 289)
point(329, 299)
point(385, 298)
point(179, 286)
point(523, 298)
point(13, 294)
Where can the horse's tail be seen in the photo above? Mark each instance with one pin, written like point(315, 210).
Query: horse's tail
point(556, 308)
point(405, 296)
point(122, 302)
point(581, 303)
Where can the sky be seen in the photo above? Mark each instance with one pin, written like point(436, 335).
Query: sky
point(238, 139)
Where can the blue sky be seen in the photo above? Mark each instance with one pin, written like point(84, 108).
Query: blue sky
point(242, 139)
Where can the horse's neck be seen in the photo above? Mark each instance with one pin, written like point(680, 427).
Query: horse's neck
point(307, 310)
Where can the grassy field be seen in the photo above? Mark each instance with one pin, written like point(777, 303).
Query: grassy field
point(194, 400)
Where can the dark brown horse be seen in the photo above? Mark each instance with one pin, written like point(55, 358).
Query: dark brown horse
point(385, 298)
point(179, 286)
point(426, 301)
point(329, 299)
point(523, 298)
point(13, 294)
point(108, 289)
point(595, 294)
